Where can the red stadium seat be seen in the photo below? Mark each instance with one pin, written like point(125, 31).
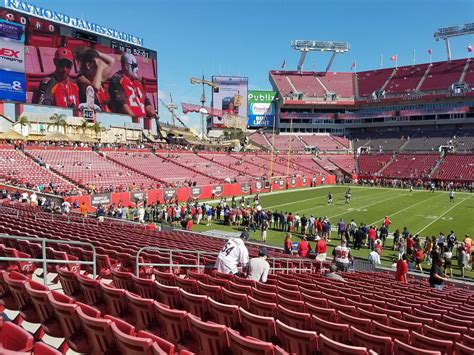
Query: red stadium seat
point(69, 283)
point(93, 294)
point(394, 333)
point(116, 301)
point(130, 344)
point(266, 309)
point(332, 347)
point(400, 348)
point(165, 278)
point(461, 349)
point(215, 292)
point(189, 285)
point(383, 345)
point(212, 338)
point(263, 295)
point(160, 346)
point(336, 331)
point(168, 295)
point(195, 304)
point(142, 310)
point(16, 283)
point(240, 345)
point(122, 279)
point(144, 287)
point(226, 314)
point(357, 322)
point(328, 314)
point(173, 323)
point(317, 301)
point(235, 298)
point(432, 343)
point(294, 305)
point(351, 310)
point(297, 341)
point(43, 349)
point(258, 326)
point(382, 318)
point(294, 319)
point(14, 339)
point(400, 323)
point(440, 334)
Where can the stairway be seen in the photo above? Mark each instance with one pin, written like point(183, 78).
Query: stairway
point(423, 78)
point(355, 80)
point(223, 165)
point(394, 157)
point(435, 168)
point(464, 71)
point(291, 84)
point(388, 80)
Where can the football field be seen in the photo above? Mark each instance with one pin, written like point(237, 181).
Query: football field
point(422, 212)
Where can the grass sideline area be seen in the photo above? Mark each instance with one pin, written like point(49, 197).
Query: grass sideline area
point(423, 212)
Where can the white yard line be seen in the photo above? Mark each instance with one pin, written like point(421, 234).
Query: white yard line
point(415, 190)
point(442, 215)
point(406, 208)
point(306, 199)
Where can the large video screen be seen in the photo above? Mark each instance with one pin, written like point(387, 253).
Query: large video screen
point(230, 96)
point(57, 65)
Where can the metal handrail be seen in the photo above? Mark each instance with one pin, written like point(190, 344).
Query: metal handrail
point(199, 254)
point(45, 260)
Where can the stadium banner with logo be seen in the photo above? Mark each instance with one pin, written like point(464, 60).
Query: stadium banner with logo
point(101, 199)
point(138, 196)
point(42, 36)
point(230, 96)
point(195, 192)
point(169, 194)
point(261, 112)
point(12, 62)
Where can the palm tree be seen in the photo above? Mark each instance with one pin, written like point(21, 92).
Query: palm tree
point(58, 120)
point(23, 121)
point(97, 128)
point(84, 126)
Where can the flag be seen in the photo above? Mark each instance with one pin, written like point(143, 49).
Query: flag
point(469, 48)
point(283, 66)
point(393, 58)
point(430, 51)
point(353, 65)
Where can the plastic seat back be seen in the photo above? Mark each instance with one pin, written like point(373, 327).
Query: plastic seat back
point(173, 323)
point(383, 345)
point(336, 331)
point(14, 338)
point(259, 327)
point(240, 345)
point(297, 341)
point(212, 338)
point(226, 314)
point(142, 310)
point(332, 347)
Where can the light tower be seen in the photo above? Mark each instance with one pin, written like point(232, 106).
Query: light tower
point(446, 33)
point(304, 46)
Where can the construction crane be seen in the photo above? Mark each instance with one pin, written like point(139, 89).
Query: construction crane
point(203, 82)
point(171, 107)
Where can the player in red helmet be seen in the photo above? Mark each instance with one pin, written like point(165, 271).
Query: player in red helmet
point(127, 95)
point(57, 89)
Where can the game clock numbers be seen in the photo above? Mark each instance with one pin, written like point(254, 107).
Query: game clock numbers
point(129, 49)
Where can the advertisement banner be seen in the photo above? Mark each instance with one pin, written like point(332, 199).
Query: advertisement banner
point(258, 185)
point(195, 191)
point(245, 187)
point(169, 194)
point(137, 196)
point(55, 53)
point(218, 190)
point(12, 86)
point(101, 199)
point(261, 109)
point(230, 96)
point(12, 55)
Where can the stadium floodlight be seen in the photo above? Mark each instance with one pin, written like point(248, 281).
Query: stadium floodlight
point(304, 46)
point(446, 33)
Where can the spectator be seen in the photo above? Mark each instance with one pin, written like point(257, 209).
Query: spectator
point(259, 267)
point(462, 258)
point(321, 249)
point(288, 244)
point(437, 275)
point(304, 248)
point(332, 274)
point(232, 254)
point(84, 209)
point(447, 256)
point(342, 256)
point(402, 269)
point(396, 238)
point(419, 256)
point(374, 257)
point(264, 228)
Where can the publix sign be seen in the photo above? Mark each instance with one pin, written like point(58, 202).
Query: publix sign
point(261, 108)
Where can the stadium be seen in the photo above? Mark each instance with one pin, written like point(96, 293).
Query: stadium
point(330, 215)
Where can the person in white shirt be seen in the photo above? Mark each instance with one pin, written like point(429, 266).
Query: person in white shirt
point(66, 207)
point(24, 196)
point(232, 254)
point(342, 256)
point(34, 199)
point(259, 267)
point(141, 214)
point(374, 257)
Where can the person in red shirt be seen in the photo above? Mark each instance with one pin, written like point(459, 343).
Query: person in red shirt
point(304, 248)
point(410, 244)
point(290, 221)
point(321, 249)
point(288, 245)
point(402, 270)
point(57, 89)
point(378, 246)
point(372, 236)
point(386, 222)
point(189, 224)
point(127, 94)
point(419, 256)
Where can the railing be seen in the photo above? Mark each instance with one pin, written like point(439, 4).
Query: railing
point(200, 254)
point(44, 260)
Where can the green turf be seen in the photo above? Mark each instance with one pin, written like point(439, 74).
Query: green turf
point(423, 212)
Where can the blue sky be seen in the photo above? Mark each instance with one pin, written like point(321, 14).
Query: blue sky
point(249, 38)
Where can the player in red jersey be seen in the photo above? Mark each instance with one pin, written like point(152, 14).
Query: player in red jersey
point(127, 95)
point(57, 89)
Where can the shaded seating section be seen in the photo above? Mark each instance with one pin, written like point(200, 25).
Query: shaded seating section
point(369, 164)
point(87, 167)
point(410, 166)
point(464, 140)
point(456, 167)
point(428, 140)
point(17, 167)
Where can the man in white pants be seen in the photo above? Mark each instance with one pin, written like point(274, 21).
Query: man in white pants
point(232, 254)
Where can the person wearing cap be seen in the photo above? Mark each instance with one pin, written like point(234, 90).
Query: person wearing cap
point(232, 254)
point(57, 89)
point(304, 248)
point(259, 266)
point(127, 94)
point(321, 248)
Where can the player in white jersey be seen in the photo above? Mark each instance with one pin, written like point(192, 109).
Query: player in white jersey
point(342, 256)
point(232, 254)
